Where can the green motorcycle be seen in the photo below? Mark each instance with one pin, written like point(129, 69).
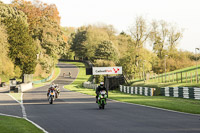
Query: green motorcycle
point(102, 99)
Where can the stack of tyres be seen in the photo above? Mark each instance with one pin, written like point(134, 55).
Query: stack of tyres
point(180, 92)
point(197, 93)
point(171, 91)
point(143, 90)
point(191, 93)
point(162, 91)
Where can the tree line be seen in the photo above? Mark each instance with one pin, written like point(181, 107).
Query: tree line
point(30, 37)
point(102, 45)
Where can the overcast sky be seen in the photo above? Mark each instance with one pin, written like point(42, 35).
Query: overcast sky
point(122, 13)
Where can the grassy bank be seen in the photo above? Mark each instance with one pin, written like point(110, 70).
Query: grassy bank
point(55, 75)
point(160, 85)
point(177, 104)
point(17, 125)
point(183, 77)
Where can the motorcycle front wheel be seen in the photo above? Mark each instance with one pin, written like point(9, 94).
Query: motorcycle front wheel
point(51, 100)
point(103, 105)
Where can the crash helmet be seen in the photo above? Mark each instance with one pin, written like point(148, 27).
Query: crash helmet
point(101, 83)
point(53, 85)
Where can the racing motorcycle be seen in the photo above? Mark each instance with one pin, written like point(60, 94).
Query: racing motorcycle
point(52, 96)
point(102, 99)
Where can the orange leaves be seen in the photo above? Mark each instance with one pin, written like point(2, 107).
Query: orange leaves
point(36, 11)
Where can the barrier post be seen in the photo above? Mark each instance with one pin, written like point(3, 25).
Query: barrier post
point(186, 76)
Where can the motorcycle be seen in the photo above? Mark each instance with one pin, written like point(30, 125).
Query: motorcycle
point(52, 96)
point(102, 99)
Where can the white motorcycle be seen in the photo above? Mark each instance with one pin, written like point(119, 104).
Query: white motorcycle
point(52, 96)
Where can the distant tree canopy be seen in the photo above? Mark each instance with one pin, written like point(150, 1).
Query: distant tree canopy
point(101, 44)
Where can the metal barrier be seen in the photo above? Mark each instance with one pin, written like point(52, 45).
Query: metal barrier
point(182, 92)
point(146, 91)
point(90, 85)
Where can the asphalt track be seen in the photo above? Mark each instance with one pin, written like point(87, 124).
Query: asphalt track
point(74, 112)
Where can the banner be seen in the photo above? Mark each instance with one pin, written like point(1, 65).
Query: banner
point(106, 70)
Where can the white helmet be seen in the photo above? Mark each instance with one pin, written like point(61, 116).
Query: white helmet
point(101, 83)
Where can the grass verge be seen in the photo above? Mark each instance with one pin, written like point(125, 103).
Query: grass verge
point(171, 103)
point(17, 125)
point(55, 75)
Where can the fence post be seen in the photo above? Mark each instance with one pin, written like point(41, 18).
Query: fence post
point(191, 76)
point(196, 75)
point(186, 77)
point(181, 77)
point(177, 77)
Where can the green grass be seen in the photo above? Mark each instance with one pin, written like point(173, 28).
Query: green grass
point(160, 85)
point(171, 103)
point(82, 77)
point(55, 75)
point(17, 125)
point(189, 78)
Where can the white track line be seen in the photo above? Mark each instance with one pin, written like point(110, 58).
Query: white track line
point(24, 113)
point(10, 115)
point(36, 125)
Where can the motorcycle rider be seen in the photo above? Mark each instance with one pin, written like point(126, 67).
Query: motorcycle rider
point(100, 88)
point(70, 75)
point(52, 86)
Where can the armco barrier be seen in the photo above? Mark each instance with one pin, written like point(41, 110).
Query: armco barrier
point(25, 86)
point(43, 80)
point(182, 92)
point(137, 90)
point(89, 85)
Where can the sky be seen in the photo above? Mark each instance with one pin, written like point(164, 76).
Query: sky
point(185, 14)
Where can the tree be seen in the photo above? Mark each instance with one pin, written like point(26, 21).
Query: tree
point(6, 65)
point(139, 33)
point(22, 49)
point(86, 40)
point(158, 37)
point(106, 50)
point(174, 37)
point(78, 40)
point(44, 26)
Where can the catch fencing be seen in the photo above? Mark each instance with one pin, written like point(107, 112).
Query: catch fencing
point(146, 91)
point(182, 92)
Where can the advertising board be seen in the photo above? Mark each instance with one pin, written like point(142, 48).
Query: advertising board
point(106, 70)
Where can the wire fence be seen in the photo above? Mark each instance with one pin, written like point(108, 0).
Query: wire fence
point(178, 77)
